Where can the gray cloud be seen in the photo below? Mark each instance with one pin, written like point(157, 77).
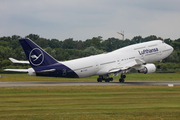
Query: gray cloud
point(84, 19)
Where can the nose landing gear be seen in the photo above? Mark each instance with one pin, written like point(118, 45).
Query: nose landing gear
point(159, 66)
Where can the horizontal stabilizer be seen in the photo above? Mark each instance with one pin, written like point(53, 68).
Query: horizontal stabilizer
point(43, 71)
point(17, 61)
point(16, 70)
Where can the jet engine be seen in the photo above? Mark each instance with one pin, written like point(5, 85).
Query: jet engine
point(31, 72)
point(148, 68)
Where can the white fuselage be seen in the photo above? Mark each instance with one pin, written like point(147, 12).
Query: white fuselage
point(147, 52)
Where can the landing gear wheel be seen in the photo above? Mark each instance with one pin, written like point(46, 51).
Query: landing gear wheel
point(124, 76)
point(106, 80)
point(121, 80)
point(99, 80)
point(111, 79)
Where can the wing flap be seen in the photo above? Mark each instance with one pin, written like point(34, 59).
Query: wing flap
point(114, 70)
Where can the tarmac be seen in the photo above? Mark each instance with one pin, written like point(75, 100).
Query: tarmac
point(82, 83)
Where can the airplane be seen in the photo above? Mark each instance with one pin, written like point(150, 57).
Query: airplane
point(118, 62)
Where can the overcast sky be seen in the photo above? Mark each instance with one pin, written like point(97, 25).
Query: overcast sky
point(84, 19)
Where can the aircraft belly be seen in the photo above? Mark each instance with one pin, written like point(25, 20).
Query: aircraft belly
point(85, 73)
point(83, 70)
point(85, 67)
point(60, 70)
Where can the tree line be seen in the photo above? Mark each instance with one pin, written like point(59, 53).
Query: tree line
point(71, 49)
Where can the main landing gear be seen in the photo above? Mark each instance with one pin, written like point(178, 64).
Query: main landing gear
point(106, 78)
point(122, 78)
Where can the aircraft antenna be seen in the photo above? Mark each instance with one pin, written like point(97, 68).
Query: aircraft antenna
point(122, 33)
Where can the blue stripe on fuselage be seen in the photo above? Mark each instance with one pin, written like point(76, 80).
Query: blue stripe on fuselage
point(60, 71)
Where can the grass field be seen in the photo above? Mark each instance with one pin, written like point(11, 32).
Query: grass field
point(90, 102)
point(130, 77)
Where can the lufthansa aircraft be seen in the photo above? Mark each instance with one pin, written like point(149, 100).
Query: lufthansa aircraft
point(139, 56)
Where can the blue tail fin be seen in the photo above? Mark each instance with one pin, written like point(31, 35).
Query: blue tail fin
point(37, 57)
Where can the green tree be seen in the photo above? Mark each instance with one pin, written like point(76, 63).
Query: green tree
point(79, 45)
point(59, 54)
point(177, 40)
point(7, 39)
point(55, 43)
point(173, 57)
point(15, 37)
point(33, 37)
point(67, 56)
point(6, 52)
point(19, 54)
point(111, 44)
point(91, 51)
point(168, 41)
point(42, 42)
point(137, 39)
point(5, 63)
point(4, 43)
point(150, 38)
point(15, 44)
point(126, 42)
point(95, 41)
point(68, 44)
point(51, 51)
point(176, 45)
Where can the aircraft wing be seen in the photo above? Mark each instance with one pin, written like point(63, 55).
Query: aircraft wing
point(126, 66)
point(17, 61)
point(16, 70)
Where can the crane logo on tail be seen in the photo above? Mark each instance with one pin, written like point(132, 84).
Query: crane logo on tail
point(36, 57)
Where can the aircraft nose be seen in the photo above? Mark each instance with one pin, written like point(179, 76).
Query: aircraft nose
point(170, 48)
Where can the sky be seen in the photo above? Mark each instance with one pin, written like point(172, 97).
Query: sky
point(85, 19)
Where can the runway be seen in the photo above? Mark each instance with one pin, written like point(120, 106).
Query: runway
point(115, 83)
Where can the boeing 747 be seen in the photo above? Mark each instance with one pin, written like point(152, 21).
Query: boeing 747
point(138, 56)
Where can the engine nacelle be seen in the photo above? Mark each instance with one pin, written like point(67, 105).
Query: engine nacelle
point(31, 72)
point(148, 68)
